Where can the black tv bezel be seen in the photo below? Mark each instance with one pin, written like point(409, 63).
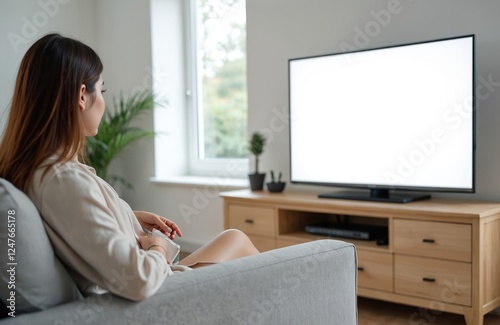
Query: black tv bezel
point(382, 192)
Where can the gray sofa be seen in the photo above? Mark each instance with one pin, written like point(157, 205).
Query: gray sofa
point(311, 283)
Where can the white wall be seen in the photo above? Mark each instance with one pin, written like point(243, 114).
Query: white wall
point(283, 29)
point(23, 22)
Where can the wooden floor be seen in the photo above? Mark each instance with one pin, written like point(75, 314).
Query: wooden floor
point(374, 312)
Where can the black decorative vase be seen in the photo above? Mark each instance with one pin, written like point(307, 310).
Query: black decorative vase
point(256, 181)
point(276, 187)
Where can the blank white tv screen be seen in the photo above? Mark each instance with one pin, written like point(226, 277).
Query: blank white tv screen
point(397, 117)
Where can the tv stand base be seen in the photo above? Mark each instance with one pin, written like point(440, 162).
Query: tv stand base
point(376, 195)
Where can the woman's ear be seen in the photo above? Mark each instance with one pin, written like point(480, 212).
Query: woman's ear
point(82, 99)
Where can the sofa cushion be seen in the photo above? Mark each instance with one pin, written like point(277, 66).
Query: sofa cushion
point(30, 272)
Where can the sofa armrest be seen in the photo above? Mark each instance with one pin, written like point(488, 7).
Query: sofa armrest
point(310, 283)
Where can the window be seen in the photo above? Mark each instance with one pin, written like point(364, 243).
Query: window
point(218, 123)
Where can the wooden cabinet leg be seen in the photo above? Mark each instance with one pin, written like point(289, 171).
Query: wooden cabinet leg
point(472, 318)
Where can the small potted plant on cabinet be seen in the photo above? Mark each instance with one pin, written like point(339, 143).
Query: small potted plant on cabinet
point(275, 186)
point(256, 147)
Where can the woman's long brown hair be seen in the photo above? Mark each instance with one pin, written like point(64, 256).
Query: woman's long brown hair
point(44, 116)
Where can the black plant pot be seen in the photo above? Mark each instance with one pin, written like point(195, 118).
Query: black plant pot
point(257, 181)
point(276, 187)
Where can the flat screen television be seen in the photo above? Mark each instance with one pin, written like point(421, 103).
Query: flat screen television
point(398, 121)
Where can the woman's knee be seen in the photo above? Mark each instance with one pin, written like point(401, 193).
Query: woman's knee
point(239, 239)
point(235, 234)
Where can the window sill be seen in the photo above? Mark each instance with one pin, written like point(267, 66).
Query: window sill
point(186, 180)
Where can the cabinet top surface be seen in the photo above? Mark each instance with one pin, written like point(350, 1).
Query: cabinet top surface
point(294, 199)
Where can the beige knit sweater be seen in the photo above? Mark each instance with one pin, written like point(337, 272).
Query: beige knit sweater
point(94, 232)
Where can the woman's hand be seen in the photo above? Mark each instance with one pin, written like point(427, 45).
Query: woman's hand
point(152, 221)
point(156, 243)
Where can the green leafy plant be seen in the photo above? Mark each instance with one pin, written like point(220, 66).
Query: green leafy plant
point(256, 147)
point(116, 133)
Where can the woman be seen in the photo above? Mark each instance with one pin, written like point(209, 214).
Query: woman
point(57, 102)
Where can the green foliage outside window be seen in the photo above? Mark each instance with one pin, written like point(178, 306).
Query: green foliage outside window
point(223, 72)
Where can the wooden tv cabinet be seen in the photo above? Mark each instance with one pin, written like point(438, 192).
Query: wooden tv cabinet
point(442, 255)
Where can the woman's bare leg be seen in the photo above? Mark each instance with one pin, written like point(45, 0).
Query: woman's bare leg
point(228, 245)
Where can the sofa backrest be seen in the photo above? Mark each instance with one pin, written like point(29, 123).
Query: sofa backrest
point(31, 277)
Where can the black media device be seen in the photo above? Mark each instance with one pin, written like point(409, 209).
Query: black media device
point(347, 230)
point(397, 118)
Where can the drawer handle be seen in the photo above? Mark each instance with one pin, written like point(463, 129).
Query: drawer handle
point(360, 268)
point(425, 240)
point(428, 279)
point(249, 221)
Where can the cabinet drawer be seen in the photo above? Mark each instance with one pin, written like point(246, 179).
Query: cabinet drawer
point(445, 281)
point(450, 241)
point(375, 270)
point(252, 220)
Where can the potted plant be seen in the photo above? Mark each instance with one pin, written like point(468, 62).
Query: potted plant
point(116, 133)
point(256, 147)
point(275, 186)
